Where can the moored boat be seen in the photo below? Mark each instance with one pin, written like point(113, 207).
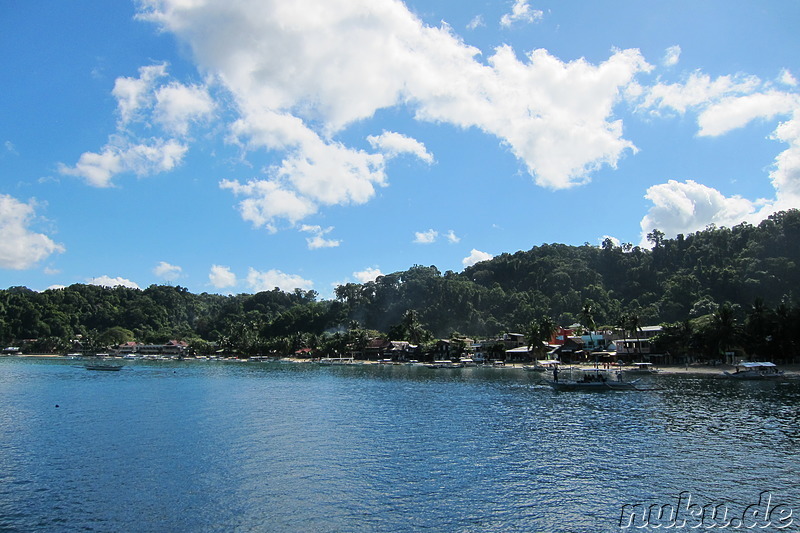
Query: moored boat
point(641, 368)
point(111, 368)
point(754, 370)
point(595, 379)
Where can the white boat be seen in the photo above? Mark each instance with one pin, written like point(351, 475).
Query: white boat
point(445, 363)
point(336, 361)
point(754, 370)
point(641, 368)
point(541, 366)
point(596, 379)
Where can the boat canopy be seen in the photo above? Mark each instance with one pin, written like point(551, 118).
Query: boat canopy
point(548, 362)
point(756, 364)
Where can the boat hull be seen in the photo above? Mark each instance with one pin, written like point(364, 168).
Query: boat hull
point(598, 386)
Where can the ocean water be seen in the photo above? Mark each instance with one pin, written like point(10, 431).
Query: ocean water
point(224, 446)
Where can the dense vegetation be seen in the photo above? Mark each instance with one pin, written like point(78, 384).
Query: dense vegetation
point(713, 288)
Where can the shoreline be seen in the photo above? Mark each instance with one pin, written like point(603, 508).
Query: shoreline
point(701, 369)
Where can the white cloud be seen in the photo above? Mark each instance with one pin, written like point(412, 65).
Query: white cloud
point(267, 281)
point(221, 277)
point(20, 247)
point(166, 271)
point(698, 90)
point(177, 105)
point(296, 80)
point(96, 169)
point(476, 22)
point(368, 274)
point(107, 281)
point(735, 112)
point(785, 175)
point(425, 237)
point(142, 104)
point(452, 237)
point(120, 156)
point(521, 11)
point(672, 56)
point(10, 148)
point(133, 94)
point(685, 207)
point(317, 240)
point(269, 199)
point(787, 78)
point(475, 256)
point(393, 144)
point(614, 240)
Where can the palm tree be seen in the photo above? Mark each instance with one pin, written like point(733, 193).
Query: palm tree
point(587, 321)
point(726, 330)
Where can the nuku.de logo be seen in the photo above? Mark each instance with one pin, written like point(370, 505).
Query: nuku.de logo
point(688, 512)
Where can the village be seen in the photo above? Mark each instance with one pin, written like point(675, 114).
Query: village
point(567, 345)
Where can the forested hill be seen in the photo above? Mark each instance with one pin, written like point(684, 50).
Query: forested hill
point(681, 278)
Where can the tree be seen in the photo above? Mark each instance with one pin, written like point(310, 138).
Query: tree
point(538, 335)
point(587, 321)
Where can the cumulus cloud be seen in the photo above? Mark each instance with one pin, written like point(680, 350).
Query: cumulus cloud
point(723, 105)
point(120, 155)
point(297, 80)
point(369, 274)
point(317, 239)
point(672, 56)
point(785, 173)
point(221, 277)
point(735, 112)
point(178, 105)
point(133, 94)
point(787, 78)
point(267, 281)
point(167, 272)
point(266, 200)
point(108, 281)
point(393, 144)
point(699, 90)
point(20, 246)
point(452, 237)
point(425, 237)
point(475, 256)
point(683, 207)
point(142, 103)
point(521, 11)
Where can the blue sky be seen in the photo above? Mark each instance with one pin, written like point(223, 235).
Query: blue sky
point(234, 146)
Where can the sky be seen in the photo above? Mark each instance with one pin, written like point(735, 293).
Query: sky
point(235, 146)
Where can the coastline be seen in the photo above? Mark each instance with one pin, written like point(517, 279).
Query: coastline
point(700, 369)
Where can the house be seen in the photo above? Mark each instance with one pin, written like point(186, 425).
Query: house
point(570, 351)
point(561, 335)
point(520, 354)
point(514, 340)
point(376, 349)
point(635, 347)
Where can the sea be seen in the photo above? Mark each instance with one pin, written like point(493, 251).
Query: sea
point(228, 446)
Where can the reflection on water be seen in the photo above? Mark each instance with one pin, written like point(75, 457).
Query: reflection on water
point(272, 447)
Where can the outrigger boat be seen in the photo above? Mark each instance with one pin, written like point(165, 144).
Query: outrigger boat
point(541, 365)
point(754, 370)
point(641, 368)
point(595, 379)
